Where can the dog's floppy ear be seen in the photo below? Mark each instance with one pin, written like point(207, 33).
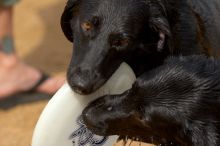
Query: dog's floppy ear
point(158, 21)
point(161, 25)
point(71, 10)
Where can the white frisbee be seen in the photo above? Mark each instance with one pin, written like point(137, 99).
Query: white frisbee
point(60, 123)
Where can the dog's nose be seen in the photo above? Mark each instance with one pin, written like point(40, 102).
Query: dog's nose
point(93, 121)
point(82, 81)
point(88, 117)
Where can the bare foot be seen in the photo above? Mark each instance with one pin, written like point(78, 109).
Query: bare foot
point(18, 77)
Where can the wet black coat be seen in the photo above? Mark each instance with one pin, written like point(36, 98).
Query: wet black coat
point(178, 102)
point(140, 32)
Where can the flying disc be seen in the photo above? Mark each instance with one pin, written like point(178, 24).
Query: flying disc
point(60, 123)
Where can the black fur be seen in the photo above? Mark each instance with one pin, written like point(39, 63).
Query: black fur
point(178, 101)
point(152, 30)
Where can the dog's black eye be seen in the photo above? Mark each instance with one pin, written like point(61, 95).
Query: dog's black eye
point(109, 108)
point(90, 27)
point(119, 42)
point(90, 24)
point(86, 26)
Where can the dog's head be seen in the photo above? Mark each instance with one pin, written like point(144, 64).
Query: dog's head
point(159, 104)
point(136, 117)
point(129, 115)
point(107, 32)
point(114, 115)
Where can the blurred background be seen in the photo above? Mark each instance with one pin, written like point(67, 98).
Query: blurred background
point(37, 36)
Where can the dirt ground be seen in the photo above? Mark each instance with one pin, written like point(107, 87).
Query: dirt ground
point(38, 35)
point(41, 43)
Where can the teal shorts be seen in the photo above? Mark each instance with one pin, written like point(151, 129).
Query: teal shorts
point(8, 2)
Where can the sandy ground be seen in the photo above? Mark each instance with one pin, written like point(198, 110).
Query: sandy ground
point(41, 43)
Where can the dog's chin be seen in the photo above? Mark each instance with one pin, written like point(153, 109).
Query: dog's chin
point(108, 132)
point(99, 131)
point(125, 131)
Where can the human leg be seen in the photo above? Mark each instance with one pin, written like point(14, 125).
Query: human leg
point(16, 76)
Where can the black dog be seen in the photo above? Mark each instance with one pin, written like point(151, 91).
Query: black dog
point(178, 101)
point(140, 32)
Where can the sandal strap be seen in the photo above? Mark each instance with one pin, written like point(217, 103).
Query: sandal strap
point(43, 78)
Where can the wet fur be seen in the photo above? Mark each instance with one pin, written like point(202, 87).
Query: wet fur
point(183, 115)
point(177, 102)
point(189, 27)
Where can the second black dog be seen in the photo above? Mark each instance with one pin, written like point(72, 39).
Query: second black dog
point(179, 102)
